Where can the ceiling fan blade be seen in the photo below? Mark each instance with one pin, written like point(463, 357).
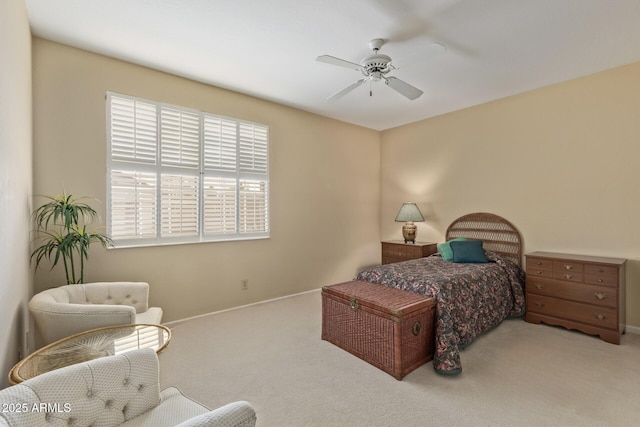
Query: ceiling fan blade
point(433, 49)
point(328, 59)
point(403, 88)
point(346, 90)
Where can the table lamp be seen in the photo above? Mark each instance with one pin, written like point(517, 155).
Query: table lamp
point(409, 213)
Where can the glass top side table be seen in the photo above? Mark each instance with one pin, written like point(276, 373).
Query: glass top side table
point(89, 345)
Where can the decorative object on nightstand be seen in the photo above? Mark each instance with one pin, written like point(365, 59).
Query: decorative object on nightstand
point(398, 251)
point(580, 292)
point(409, 213)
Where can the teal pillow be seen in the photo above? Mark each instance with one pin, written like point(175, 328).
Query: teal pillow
point(445, 248)
point(469, 251)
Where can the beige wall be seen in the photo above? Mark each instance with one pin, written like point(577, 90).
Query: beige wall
point(325, 179)
point(561, 163)
point(15, 182)
point(558, 162)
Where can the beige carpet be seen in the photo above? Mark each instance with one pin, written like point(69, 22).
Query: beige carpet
point(519, 374)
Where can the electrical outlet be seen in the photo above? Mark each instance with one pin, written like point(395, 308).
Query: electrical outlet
point(244, 284)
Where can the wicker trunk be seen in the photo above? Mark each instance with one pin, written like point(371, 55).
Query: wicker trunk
point(386, 327)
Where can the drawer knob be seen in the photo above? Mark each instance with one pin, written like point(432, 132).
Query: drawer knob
point(538, 304)
point(600, 295)
point(538, 272)
point(600, 280)
point(568, 276)
point(568, 267)
point(538, 263)
point(601, 316)
point(539, 286)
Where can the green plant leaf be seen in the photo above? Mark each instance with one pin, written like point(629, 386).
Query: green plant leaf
point(61, 226)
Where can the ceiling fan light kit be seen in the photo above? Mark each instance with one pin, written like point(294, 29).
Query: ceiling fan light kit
point(375, 68)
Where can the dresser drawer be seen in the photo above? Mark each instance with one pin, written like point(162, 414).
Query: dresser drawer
point(539, 272)
point(592, 294)
point(567, 270)
point(394, 251)
point(402, 251)
point(601, 275)
point(568, 275)
point(539, 263)
point(412, 252)
point(566, 266)
point(604, 317)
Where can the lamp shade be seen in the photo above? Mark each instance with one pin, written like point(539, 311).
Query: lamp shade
point(409, 212)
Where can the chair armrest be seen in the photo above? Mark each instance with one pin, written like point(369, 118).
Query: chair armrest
point(60, 320)
point(63, 308)
point(236, 414)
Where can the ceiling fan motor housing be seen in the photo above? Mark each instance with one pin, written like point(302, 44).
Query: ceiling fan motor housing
point(377, 63)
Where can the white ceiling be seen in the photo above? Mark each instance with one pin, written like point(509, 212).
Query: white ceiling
point(268, 48)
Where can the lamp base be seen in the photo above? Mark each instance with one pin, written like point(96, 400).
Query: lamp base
point(409, 231)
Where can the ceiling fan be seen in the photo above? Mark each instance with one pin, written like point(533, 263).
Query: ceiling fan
point(375, 68)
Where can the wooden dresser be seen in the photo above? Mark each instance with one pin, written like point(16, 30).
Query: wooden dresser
point(398, 250)
point(580, 292)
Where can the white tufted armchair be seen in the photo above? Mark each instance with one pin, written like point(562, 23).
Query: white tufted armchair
point(70, 309)
point(112, 391)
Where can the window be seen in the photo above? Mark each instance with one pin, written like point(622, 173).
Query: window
point(177, 175)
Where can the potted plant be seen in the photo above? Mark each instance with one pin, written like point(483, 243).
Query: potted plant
point(61, 226)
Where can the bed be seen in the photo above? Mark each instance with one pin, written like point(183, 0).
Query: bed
point(471, 298)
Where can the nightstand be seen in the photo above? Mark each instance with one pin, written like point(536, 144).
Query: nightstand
point(398, 250)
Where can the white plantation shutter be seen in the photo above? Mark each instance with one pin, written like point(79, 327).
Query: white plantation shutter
point(253, 148)
point(133, 204)
point(253, 193)
point(179, 175)
point(220, 147)
point(220, 201)
point(253, 206)
point(179, 205)
point(180, 138)
point(133, 131)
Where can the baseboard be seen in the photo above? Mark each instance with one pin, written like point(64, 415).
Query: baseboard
point(629, 329)
point(175, 322)
point(633, 330)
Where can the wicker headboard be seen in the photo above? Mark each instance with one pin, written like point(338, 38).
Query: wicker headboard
point(498, 234)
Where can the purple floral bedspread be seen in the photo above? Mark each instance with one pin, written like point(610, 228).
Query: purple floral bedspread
point(470, 298)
